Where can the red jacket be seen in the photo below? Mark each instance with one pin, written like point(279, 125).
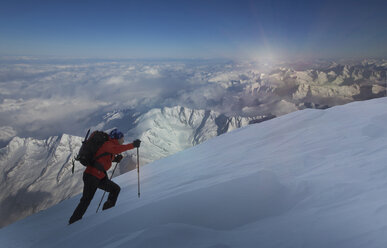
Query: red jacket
point(113, 147)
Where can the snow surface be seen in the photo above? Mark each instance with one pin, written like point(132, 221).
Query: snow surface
point(312, 178)
point(37, 173)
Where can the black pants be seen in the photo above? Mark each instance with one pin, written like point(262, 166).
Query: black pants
point(91, 184)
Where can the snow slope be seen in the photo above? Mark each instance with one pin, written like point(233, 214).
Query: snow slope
point(312, 178)
point(37, 173)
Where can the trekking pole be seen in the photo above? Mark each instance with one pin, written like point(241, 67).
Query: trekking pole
point(105, 191)
point(138, 172)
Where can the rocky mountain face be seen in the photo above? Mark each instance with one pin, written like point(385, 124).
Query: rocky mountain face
point(278, 90)
point(346, 83)
point(36, 174)
point(335, 84)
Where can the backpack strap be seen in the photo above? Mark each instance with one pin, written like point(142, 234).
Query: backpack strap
point(102, 155)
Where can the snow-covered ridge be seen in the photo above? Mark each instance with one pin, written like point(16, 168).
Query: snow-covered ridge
point(312, 178)
point(281, 90)
point(169, 130)
point(37, 173)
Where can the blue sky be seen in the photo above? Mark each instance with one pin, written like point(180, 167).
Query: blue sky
point(194, 29)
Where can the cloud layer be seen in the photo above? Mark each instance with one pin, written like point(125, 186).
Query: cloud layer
point(41, 98)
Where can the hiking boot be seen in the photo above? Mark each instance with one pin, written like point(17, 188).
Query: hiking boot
point(108, 204)
point(73, 219)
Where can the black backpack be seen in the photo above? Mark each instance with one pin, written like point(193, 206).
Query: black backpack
point(90, 147)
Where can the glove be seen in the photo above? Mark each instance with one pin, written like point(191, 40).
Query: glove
point(137, 143)
point(118, 158)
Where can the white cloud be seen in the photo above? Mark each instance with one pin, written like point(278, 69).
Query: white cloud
point(6, 133)
point(43, 117)
point(37, 98)
point(40, 98)
point(115, 81)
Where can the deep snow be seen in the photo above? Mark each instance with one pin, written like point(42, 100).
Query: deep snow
point(312, 178)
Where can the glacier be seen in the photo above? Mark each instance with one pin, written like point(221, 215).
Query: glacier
point(312, 178)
